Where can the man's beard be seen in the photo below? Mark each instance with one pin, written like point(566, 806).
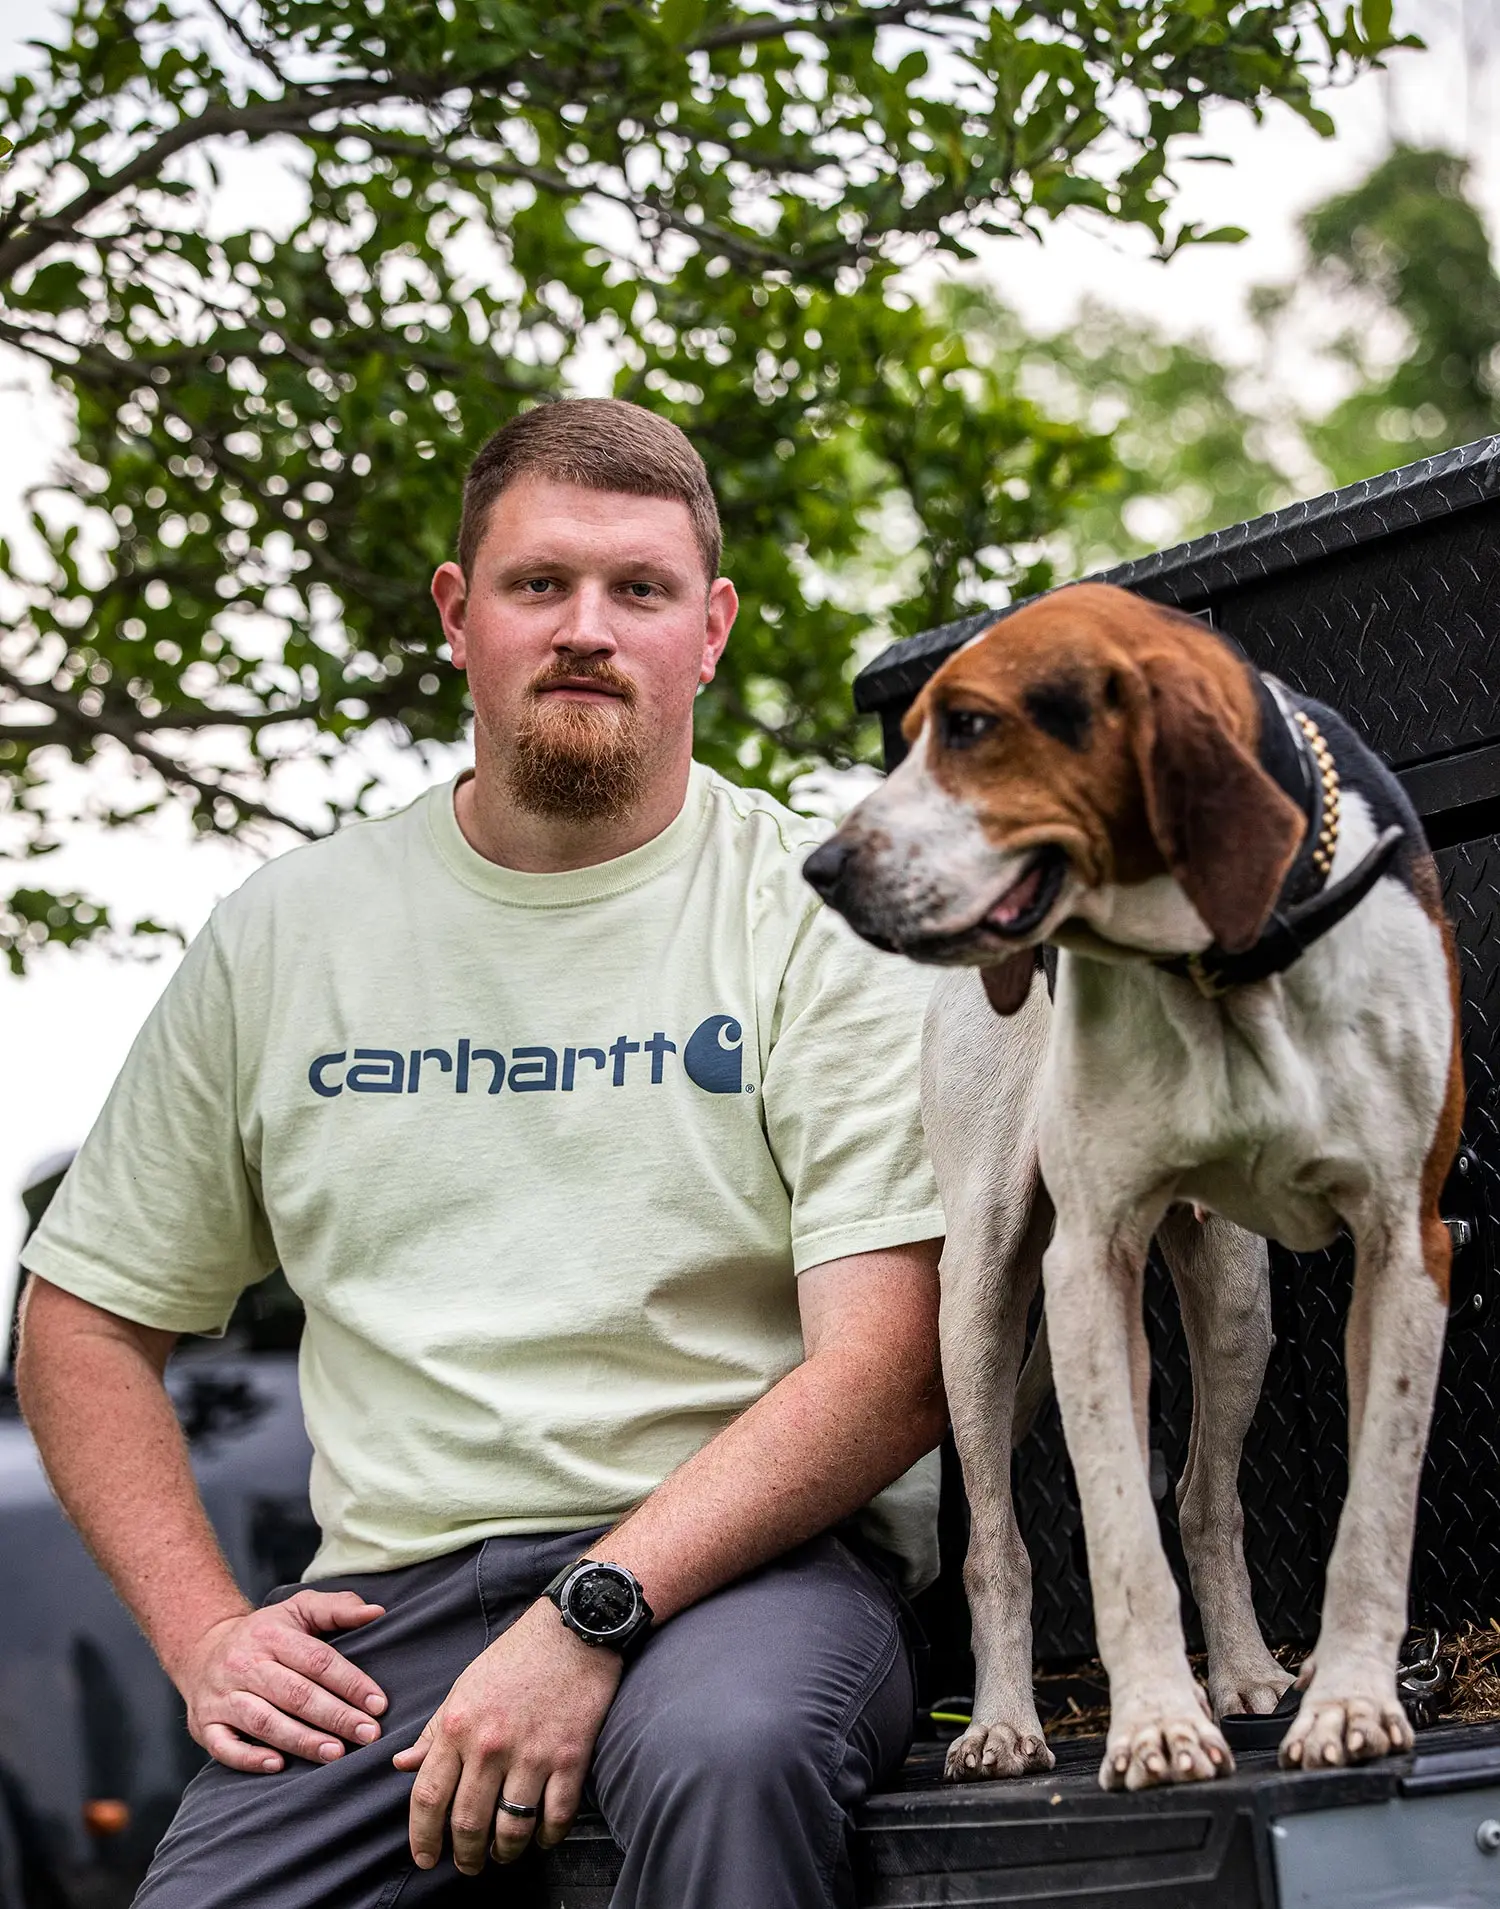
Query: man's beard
point(578, 762)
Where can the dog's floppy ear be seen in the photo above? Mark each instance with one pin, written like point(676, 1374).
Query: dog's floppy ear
point(1008, 982)
point(1226, 831)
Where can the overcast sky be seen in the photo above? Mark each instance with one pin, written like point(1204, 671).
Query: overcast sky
point(66, 1027)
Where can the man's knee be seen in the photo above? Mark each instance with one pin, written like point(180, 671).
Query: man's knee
point(752, 1745)
point(782, 1700)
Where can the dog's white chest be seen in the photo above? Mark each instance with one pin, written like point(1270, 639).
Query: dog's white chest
point(1279, 1106)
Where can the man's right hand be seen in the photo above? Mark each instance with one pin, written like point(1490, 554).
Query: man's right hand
point(265, 1681)
point(91, 1386)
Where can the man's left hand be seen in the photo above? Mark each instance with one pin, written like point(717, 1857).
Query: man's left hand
point(521, 1722)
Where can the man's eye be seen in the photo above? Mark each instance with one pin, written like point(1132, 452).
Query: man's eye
point(962, 728)
point(536, 586)
point(642, 592)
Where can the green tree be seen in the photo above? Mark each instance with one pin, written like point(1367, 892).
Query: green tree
point(270, 427)
point(1406, 253)
point(1180, 436)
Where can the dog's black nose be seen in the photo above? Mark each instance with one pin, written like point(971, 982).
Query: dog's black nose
point(826, 864)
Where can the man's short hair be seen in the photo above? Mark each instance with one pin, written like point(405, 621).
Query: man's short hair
point(602, 444)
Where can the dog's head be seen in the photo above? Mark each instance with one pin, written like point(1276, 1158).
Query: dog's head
point(1092, 756)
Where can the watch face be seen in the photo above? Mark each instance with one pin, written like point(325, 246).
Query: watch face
point(601, 1601)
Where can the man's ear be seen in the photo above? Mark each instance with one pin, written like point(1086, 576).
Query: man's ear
point(1008, 982)
point(450, 593)
point(1227, 832)
point(723, 608)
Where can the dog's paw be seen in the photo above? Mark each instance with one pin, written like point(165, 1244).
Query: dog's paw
point(1163, 1743)
point(988, 1750)
point(1251, 1687)
point(1331, 1730)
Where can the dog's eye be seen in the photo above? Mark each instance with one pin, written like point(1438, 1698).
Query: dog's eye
point(962, 728)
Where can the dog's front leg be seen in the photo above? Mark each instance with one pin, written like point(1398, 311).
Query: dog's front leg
point(1351, 1712)
point(1223, 1280)
point(981, 1078)
point(991, 1262)
point(1159, 1730)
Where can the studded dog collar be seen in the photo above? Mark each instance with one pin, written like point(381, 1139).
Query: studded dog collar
point(1328, 790)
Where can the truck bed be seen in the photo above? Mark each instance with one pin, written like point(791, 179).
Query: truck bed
point(1399, 1834)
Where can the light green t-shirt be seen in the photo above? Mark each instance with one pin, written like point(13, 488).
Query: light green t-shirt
point(541, 1154)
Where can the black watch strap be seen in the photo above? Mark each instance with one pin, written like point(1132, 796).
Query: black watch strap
point(603, 1604)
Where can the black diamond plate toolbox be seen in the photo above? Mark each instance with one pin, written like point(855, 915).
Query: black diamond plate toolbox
point(1383, 600)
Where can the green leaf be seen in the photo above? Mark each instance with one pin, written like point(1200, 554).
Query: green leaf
point(682, 21)
point(1375, 21)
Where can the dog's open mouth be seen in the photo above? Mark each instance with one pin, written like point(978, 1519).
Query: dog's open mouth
point(1025, 903)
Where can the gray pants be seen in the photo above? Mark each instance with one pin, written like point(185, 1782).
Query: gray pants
point(741, 1739)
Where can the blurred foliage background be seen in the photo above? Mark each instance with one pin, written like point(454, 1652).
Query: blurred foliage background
point(755, 218)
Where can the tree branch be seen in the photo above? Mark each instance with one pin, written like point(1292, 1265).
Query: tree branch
point(247, 40)
point(293, 113)
point(744, 251)
point(859, 20)
point(176, 717)
point(70, 720)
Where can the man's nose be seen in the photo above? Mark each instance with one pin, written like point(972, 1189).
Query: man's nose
point(824, 868)
point(585, 628)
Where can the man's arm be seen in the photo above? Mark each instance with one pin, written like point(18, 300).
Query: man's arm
point(865, 1404)
point(91, 1387)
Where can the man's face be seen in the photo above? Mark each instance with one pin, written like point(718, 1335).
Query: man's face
point(585, 629)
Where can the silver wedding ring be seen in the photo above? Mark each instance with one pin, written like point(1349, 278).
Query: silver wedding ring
point(516, 1809)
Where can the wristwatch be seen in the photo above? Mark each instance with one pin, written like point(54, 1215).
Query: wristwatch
point(602, 1604)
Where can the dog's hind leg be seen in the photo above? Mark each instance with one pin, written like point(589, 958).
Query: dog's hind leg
point(980, 1079)
point(1222, 1276)
point(1351, 1711)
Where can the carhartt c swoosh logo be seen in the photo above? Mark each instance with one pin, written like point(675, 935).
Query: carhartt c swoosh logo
point(713, 1055)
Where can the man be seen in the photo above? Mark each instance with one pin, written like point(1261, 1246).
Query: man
point(591, 1146)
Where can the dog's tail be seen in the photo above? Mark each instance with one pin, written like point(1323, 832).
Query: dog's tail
point(1034, 1387)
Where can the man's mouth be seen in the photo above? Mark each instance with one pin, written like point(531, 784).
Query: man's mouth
point(593, 680)
point(1025, 904)
point(583, 693)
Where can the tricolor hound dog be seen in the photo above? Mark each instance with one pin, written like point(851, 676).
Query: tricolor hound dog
point(1255, 1015)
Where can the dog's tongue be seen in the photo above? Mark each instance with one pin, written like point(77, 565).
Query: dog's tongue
point(1017, 898)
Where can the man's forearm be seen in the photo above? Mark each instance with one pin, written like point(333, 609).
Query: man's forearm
point(805, 1456)
point(92, 1392)
point(818, 1446)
